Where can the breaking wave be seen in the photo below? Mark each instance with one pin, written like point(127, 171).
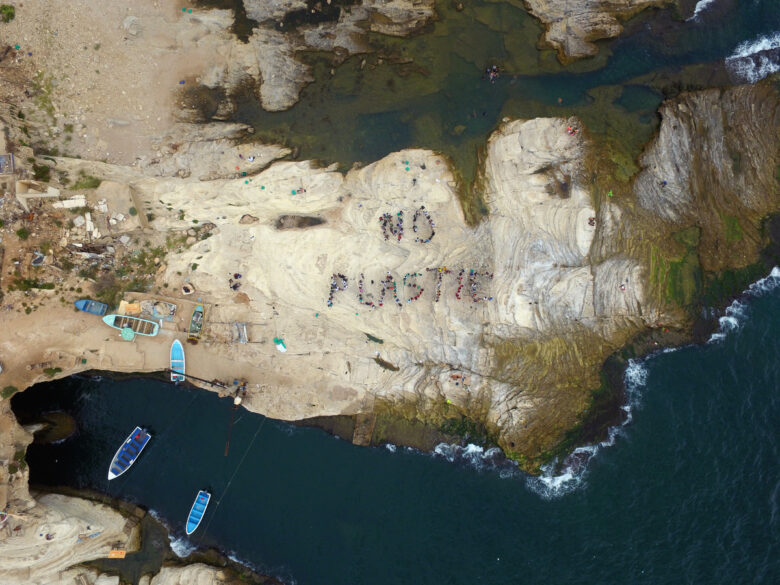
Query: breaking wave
point(753, 60)
point(559, 479)
point(736, 313)
point(479, 458)
point(280, 573)
point(181, 547)
point(701, 5)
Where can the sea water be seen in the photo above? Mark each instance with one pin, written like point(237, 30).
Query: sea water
point(685, 492)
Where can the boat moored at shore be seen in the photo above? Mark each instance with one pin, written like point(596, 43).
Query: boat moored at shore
point(177, 361)
point(197, 511)
point(137, 325)
point(196, 324)
point(90, 306)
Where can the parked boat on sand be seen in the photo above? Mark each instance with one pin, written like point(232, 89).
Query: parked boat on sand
point(90, 306)
point(177, 361)
point(196, 323)
point(137, 325)
point(128, 452)
point(197, 511)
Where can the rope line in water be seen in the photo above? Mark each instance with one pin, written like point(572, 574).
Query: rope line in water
point(232, 477)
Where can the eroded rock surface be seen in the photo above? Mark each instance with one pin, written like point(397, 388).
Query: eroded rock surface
point(573, 25)
point(711, 167)
point(56, 532)
point(268, 60)
point(506, 324)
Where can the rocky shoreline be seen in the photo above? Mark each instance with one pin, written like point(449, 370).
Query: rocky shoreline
point(402, 317)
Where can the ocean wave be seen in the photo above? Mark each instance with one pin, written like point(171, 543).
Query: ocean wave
point(181, 547)
point(700, 6)
point(479, 458)
point(753, 60)
point(390, 447)
point(560, 478)
point(737, 312)
point(279, 573)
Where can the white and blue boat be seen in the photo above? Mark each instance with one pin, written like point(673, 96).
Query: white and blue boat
point(177, 361)
point(128, 452)
point(197, 511)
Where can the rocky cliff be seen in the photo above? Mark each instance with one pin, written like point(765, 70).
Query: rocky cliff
point(573, 26)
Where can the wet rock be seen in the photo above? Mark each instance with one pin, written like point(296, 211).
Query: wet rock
point(573, 25)
point(713, 166)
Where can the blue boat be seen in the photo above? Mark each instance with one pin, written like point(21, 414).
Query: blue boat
point(197, 511)
point(90, 306)
point(128, 452)
point(177, 361)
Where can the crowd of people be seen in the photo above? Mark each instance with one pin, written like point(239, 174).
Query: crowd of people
point(394, 227)
point(492, 73)
point(413, 286)
point(335, 285)
point(390, 227)
point(387, 283)
point(233, 282)
point(339, 282)
point(442, 270)
point(476, 296)
point(427, 215)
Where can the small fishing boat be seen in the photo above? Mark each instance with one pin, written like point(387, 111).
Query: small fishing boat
point(128, 452)
point(177, 361)
point(137, 325)
point(197, 511)
point(196, 323)
point(90, 306)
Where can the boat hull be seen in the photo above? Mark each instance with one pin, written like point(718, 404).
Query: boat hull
point(197, 511)
point(90, 306)
point(196, 323)
point(177, 361)
point(128, 452)
point(137, 325)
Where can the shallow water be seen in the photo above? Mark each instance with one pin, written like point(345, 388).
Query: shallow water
point(441, 101)
point(688, 493)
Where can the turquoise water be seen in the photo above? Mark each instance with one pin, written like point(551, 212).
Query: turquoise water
point(688, 493)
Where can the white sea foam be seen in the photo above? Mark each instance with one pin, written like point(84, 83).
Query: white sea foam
point(390, 447)
point(477, 457)
point(279, 573)
point(181, 547)
point(753, 60)
point(737, 312)
point(701, 5)
point(557, 479)
point(571, 473)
